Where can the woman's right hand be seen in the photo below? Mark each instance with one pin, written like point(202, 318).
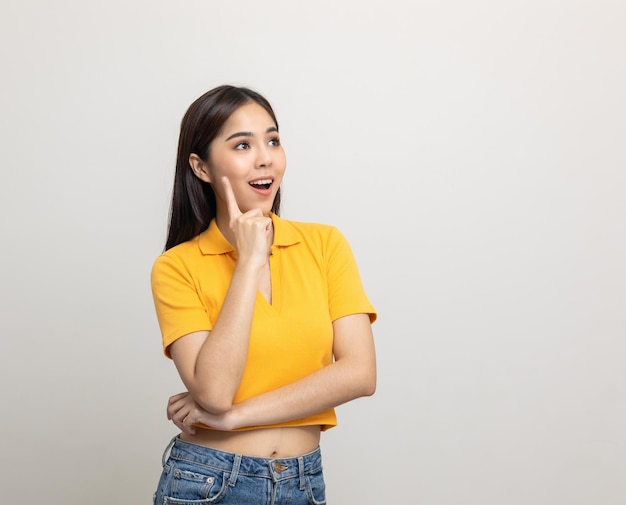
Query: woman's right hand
point(251, 230)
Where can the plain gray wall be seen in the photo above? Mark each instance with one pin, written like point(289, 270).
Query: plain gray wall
point(472, 152)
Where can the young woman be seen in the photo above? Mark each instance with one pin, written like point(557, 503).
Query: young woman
point(265, 319)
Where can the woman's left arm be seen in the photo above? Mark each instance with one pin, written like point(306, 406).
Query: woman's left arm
point(351, 375)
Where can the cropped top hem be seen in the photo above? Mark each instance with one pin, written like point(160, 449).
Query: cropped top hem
point(324, 424)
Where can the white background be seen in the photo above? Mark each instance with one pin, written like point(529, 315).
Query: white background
point(472, 152)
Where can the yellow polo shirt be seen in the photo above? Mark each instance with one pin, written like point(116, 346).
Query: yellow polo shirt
point(315, 280)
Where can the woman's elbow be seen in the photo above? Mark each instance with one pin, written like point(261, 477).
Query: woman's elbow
point(214, 404)
point(369, 386)
point(367, 382)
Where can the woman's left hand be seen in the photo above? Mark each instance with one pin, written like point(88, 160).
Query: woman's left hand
point(184, 412)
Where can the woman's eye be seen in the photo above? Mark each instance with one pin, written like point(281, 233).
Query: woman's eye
point(274, 141)
point(242, 145)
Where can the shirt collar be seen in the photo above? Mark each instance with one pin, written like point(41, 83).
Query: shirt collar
point(211, 241)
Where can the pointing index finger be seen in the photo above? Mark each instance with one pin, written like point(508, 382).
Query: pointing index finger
point(231, 201)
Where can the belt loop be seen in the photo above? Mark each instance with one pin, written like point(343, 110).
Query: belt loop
point(168, 450)
point(301, 468)
point(235, 471)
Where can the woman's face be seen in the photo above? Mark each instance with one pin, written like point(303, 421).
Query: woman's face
point(248, 152)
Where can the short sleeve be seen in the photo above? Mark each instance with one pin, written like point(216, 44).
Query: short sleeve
point(178, 306)
point(345, 290)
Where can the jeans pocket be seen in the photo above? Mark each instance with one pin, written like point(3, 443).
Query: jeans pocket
point(190, 485)
point(316, 488)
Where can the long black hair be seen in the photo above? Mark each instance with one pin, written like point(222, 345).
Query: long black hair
point(193, 200)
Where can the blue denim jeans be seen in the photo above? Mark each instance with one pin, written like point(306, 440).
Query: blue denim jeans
point(194, 475)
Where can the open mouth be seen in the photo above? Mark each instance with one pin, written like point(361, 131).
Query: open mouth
point(261, 184)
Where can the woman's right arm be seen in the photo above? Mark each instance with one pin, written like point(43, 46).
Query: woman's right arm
point(211, 364)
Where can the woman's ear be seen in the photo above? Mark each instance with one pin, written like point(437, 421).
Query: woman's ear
point(199, 167)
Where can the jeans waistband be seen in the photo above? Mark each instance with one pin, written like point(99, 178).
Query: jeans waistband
point(238, 464)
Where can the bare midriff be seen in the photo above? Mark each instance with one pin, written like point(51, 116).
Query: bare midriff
point(286, 442)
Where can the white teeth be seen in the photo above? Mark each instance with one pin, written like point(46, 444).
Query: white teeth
point(262, 181)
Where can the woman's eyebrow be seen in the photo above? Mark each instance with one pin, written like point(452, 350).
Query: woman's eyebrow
point(249, 134)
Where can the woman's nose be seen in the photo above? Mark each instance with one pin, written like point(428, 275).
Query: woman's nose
point(264, 157)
